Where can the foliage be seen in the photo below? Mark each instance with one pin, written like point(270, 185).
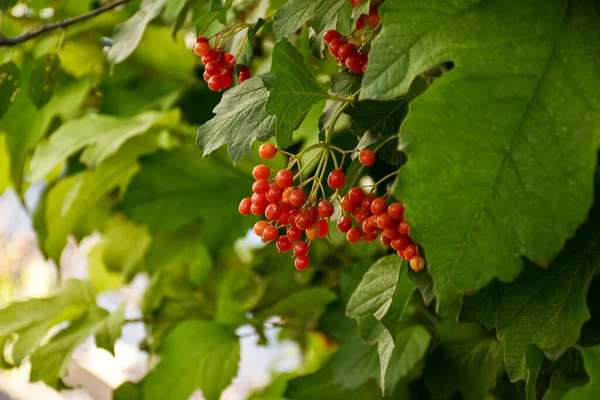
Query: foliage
point(485, 120)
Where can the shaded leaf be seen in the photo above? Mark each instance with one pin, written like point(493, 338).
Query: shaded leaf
point(591, 391)
point(108, 333)
point(10, 77)
point(355, 362)
point(383, 117)
point(247, 53)
point(4, 164)
point(303, 301)
point(410, 346)
point(44, 78)
point(6, 4)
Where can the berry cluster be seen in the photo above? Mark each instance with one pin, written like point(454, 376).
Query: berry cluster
point(287, 207)
point(219, 67)
point(346, 53)
point(372, 19)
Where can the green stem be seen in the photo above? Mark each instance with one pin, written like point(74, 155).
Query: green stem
point(330, 128)
point(385, 178)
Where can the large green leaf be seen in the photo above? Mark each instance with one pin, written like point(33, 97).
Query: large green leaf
point(6, 4)
point(410, 346)
point(303, 301)
point(9, 83)
point(100, 135)
point(240, 120)
point(175, 188)
point(502, 149)
point(195, 355)
point(294, 93)
point(44, 78)
point(356, 361)
point(591, 391)
point(129, 34)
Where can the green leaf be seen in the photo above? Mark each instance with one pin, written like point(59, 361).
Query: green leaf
point(343, 85)
point(513, 138)
point(4, 164)
point(195, 355)
point(535, 357)
point(410, 346)
point(172, 10)
point(294, 93)
point(377, 116)
point(10, 77)
point(356, 361)
point(321, 14)
point(175, 188)
point(129, 34)
point(240, 120)
point(99, 135)
point(467, 360)
point(303, 301)
point(44, 78)
point(204, 21)
point(591, 391)
point(108, 333)
point(247, 52)
point(6, 4)
point(481, 307)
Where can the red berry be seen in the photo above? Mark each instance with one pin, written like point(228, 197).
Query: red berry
point(256, 209)
point(373, 20)
point(273, 194)
point(336, 179)
point(301, 249)
point(213, 68)
point(259, 199)
point(370, 237)
point(284, 244)
point(384, 221)
point(361, 215)
point(401, 243)
point(284, 178)
point(260, 186)
point(285, 196)
point(325, 209)
point(313, 232)
point(269, 234)
point(210, 56)
point(261, 171)
point(347, 50)
point(294, 233)
point(303, 220)
point(201, 40)
point(347, 204)
point(301, 263)
point(344, 224)
point(367, 202)
point(229, 57)
point(330, 36)
point(334, 46)
point(285, 216)
point(396, 211)
point(323, 227)
point(366, 157)
point(244, 207)
point(392, 233)
point(354, 235)
point(259, 227)
point(226, 80)
point(354, 63)
point(313, 212)
point(409, 252)
point(297, 197)
point(201, 49)
point(417, 263)
point(214, 83)
point(372, 220)
point(404, 227)
point(244, 68)
point(360, 24)
point(206, 76)
point(354, 3)
point(267, 151)
point(386, 241)
point(379, 206)
point(273, 212)
point(356, 195)
point(366, 226)
point(244, 74)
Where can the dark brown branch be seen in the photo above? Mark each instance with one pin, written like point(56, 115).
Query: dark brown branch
point(4, 41)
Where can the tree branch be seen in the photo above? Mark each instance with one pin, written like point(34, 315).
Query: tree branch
point(4, 41)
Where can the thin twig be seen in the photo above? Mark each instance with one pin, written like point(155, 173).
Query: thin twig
point(4, 41)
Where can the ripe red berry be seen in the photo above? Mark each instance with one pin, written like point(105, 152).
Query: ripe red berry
point(323, 227)
point(269, 234)
point(354, 235)
point(297, 197)
point(404, 227)
point(372, 220)
point(336, 179)
point(379, 206)
point(366, 226)
point(313, 212)
point(360, 23)
point(244, 207)
point(313, 231)
point(325, 209)
point(401, 243)
point(356, 195)
point(261, 171)
point(370, 237)
point(354, 63)
point(344, 224)
point(212, 55)
point(334, 46)
point(384, 221)
point(392, 233)
point(396, 211)
point(301, 249)
point(206, 76)
point(330, 36)
point(347, 50)
point(273, 194)
point(259, 227)
point(409, 252)
point(417, 263)
point(225, 79)
point(301, 263)
point(373, 20)
point(367, 202)
point(229, 57)
point(303, 220)
point(284, 244)
point(354, 3)
point(386, 241)
point(361, 215)
point(259, 199)
point(273, 212)
point(213, 68)
point(285, 196)
point(260, 186)
point(201, 49)
point(214, 83)
point(243, 76)
point(294, 233)
point(366, 157)
point(347, 204)
point(284, 178)
point(267, 151)
point(201, 40)
point(256, 209)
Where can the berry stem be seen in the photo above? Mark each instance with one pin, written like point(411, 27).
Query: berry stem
point(379, 182)
point(335, 163)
